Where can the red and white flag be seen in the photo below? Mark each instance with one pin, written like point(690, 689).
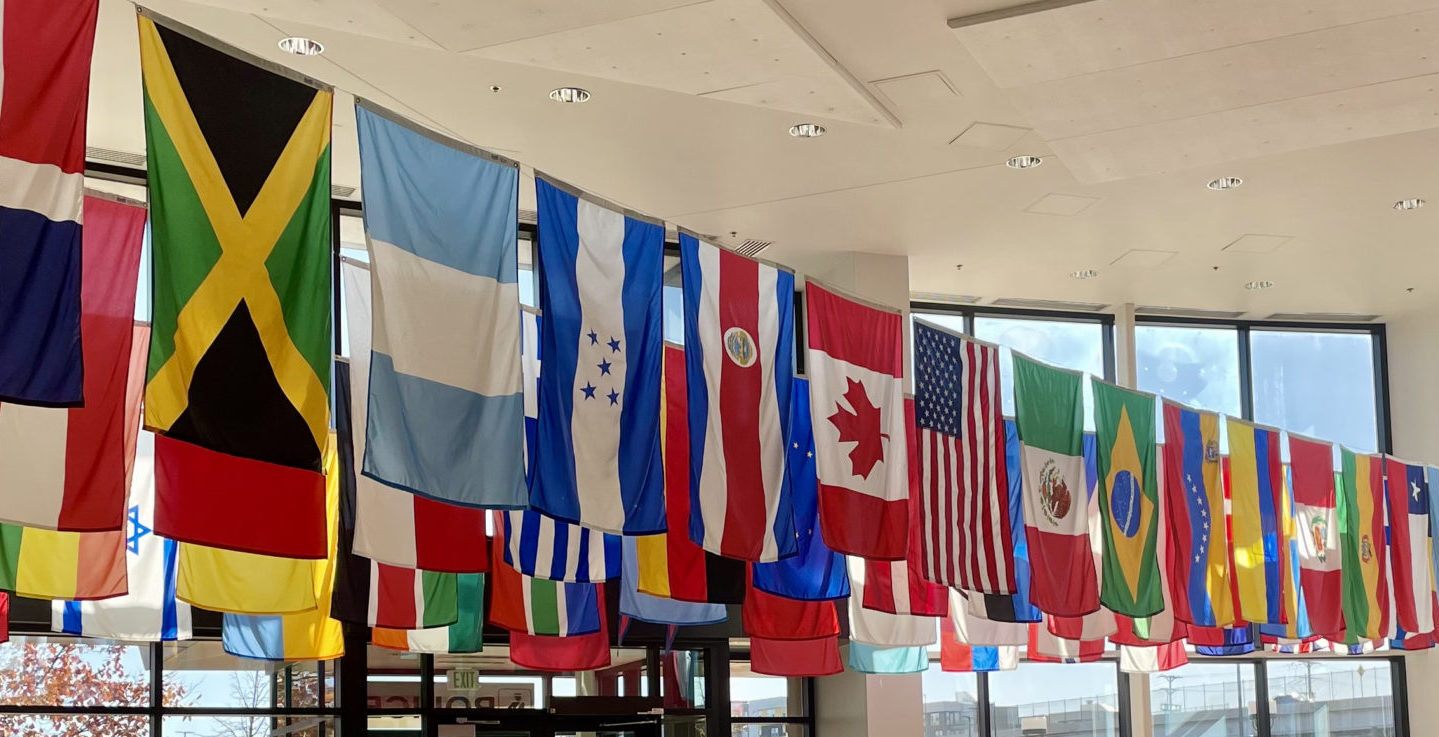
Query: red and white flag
point(856, 365)
point(899, 586)
point(1152, 658)
point(739, 334)
point(964, 514)
point(1047, 647)
point(1316, 517)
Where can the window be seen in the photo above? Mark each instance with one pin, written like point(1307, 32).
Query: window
point(1198, 366)
point(766, 706)
point(1331, 698)
point(1081, 700)
point(951, 703)
point(1068, 344)
point(1319, 384)
point(1216, 699)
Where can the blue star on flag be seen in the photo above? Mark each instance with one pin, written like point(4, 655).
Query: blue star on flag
point(604, 367)
point(137, 530)
point(614, 345)
point(589, 390)
point(614, 397)
point(594, 337)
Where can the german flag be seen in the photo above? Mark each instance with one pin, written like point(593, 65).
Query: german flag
point(238, 379)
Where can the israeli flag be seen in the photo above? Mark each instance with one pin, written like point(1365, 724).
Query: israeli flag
point(598, 442)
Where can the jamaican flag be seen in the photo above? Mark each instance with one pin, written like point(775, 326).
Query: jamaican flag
point(238, 379)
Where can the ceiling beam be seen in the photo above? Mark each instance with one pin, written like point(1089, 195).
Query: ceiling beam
point(965, 21)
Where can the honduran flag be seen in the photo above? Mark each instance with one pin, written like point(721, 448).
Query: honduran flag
point(856, 365)
point(1316, 520)
point(1050, 417)
point(598, 446)
point(44, 89)
point(1198, 534)
point(1014, 607)
point(739, 351)
point(544, 547)
point(1257, 544)
point(1409, 554)
point(815, 571)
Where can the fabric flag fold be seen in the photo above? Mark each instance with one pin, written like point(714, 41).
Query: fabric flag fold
point(965, 533)
point(974, 630)
point(778, 618)
point(1198, 533)
point(1316, 517)
point(598, 445)
point(238, 381)
point(856, 365)
point(887, 661)
point(882, 628)
point(1128, 500)
point(899, 586)
point(1014, 607)
point(795, 658)
point(564, 654)
point(1046, 647)
point(466, 635)
point(65, 469)
point(1409, 545)
point(1222, 641)
point(1257, 545)
point(1365, 568)
point(739, 333)
point(1152, 658)
point(1049, 404)
point(445, 407)
point(44, 564)
point(651, 608)
point(814, 572)
point(148, 612)
point(46, 85)
point(539, 546)
point(397, 598)
point(390, 525)
point(958, 656)
point(536, 606)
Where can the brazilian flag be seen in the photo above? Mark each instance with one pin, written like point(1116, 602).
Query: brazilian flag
point(238, 378)
point(1128, 500)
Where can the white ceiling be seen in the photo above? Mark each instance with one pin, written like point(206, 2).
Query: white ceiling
point(1326, 108)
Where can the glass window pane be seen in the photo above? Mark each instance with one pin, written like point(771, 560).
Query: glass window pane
point(1216, 700)
point(210, 677)
point(1331, 698)
point(1316, 384)
point(393, 681)
point(755, 695)
point(682, 679)
point(91, 725)
point(244, 726)
point(951, 703)
point(767, 730)
point(1072, 345)
point(58, 671)
point(486, 680)
point(1196, 366)
point(1076, 700)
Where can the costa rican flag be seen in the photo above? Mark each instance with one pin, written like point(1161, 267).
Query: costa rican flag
point(739, 340)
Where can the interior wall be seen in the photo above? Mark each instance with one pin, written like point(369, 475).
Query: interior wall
point(1413, 355)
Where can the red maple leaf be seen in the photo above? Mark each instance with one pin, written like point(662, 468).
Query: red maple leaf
point(861, 427)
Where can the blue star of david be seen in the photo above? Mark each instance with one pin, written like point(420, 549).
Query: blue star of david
point(137, 530)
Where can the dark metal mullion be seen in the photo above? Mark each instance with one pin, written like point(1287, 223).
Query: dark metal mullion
point(157, 688)
point(1261, 699)
point(982, 707)
point(1381, 389)
point(1106, 339)
point(1125, 705)
point(1246, 374)
point(1398, 687)
point(968, 323)
point(652, 671)
point(428, 726)
point(717, 683)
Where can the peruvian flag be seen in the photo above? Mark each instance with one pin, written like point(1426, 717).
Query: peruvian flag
point(1311, 469)
point(856, 363)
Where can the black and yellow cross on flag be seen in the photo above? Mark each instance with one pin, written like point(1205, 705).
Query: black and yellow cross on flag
point(238, 379)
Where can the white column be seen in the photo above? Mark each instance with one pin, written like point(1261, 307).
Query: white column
point(1126, 371)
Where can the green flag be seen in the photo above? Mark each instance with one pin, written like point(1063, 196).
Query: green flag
point(1128, 500)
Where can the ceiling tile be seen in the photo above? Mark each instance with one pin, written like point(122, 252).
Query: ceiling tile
point(1061, 204)
point(1257, 243)
point(993, 136)
point(1142, 258)
point(917, 91)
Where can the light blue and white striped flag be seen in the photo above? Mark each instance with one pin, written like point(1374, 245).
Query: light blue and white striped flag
point(445, 407)
point(598, 446)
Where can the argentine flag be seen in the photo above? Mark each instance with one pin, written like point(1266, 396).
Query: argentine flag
point(598, 441)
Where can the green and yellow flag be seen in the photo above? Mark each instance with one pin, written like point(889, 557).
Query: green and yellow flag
point(1364, 562)
point(238, 379)
point(1128, 500)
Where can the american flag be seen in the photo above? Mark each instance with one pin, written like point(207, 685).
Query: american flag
point(964, 486)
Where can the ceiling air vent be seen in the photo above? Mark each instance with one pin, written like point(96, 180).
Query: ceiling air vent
point(1048, 304)
point(111, 156)
point(341, 190)
point(956, 299)
point(1151, 311)
point(751, 247)
point(1322, 317)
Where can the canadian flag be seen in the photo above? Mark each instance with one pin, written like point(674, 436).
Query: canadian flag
point(855, 365)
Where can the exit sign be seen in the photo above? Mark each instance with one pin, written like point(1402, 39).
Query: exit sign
point(464, 680)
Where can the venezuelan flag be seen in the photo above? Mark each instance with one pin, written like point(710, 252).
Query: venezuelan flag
point(1256, 490)
point(1198, 537)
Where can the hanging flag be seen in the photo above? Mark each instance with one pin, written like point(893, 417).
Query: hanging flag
point(445, 404)
point(148, 612)
point(466, 635)
point(1152, 658)
point(398, 598)
point(543, 547)
point(1128, 500)
point(65, 469)
point(244, 583)
point(1365, 567)
point(856, 365)
point(1198, 549)
point(1256, 487)
point(1221, 641)
point(598, 444)
point(4, 617)
point(1405, 641)
point(1046, 647)
point(975, 630)
point(1049, 404)
point(538, 606)
point(899, 586)
point(1014, 607)
point(1409, 545)
point(564, 654)
point(46, 74)
point(1162, 628)
point(958, 656)
point(636, 604)
point(882, 628)
point(815, 572)
point(778, 618)
point(966, 538)
point(44, 564)
point(671, 565)
point(795, 658)
point(887, 661)
point(739, 329)
point(390, 525)
point(1316, 518)
point(240, 348)
point(305, 635)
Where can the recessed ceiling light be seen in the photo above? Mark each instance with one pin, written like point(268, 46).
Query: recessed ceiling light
point(1223, 183)
point(1084, 273)
point(1259, 284)
point(569, 94)
point(1024, 162)
point(1410, 204)
point(301, 46)
point(806, 130)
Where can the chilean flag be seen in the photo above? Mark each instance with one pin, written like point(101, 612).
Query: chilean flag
point(856, 365)
point(739, 339)
point(1414, 599)
point(44, 89)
